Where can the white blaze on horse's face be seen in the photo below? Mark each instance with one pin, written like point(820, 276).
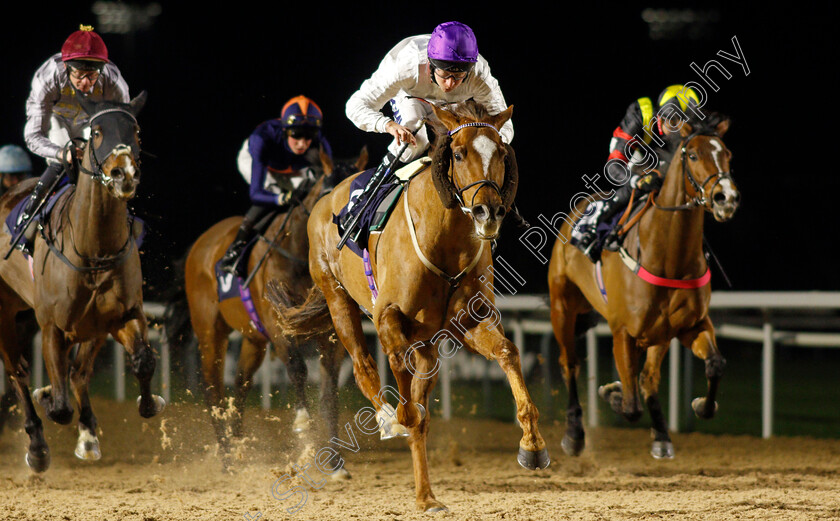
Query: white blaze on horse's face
point(483, 201)
point(485, 147)
point(123, 172)
point(725, 196)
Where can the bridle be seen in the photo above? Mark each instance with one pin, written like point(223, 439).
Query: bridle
point(459, 192)
point(98, 172)
point(700, 195)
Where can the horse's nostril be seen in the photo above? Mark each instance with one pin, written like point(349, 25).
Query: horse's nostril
point(117, 173)
point(501, 212)
point(719, 198)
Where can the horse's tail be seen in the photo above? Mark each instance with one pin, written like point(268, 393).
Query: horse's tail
point(176, 316)
point(310, 319)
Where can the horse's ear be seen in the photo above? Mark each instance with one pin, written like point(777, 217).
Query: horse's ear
point(361, 163)
point(502, 117)
point(137, 103)
point(722, 127)
point(685, 129)
point(444, 116)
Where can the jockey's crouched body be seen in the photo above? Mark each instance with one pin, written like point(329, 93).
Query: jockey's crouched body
point(640, 120)
point(276, 159)
point(440, 67)
point(53, 113)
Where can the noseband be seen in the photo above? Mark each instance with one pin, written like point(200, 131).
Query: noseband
point(98, 173)
point(459, 192)
point(699, 198)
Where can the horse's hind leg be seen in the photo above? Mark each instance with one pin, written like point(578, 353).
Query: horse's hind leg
point(704, 346)
point(493, 344)
point(54, 398)
point(563, 323)
point(87, 447)
point(212, 346)
point(650, 378)
point(251, 357)
point(332, 354)
point(134, 338)
point(7, 401)
point(38, 455)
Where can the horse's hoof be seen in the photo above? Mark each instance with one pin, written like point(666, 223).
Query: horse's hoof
point(391, 428)
point(302, 421)
point(662, 450)
point(432, 510)
point(533, 460)
point(571, 446)
point(39, 395)
point(87, 448)
point(699, 406)
point(341, 474)
point(158, 404)
point(433, 505)
point(40, 462)
point(606, 390)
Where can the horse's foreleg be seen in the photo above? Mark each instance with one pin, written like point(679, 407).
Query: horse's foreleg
point(133, 337)
point(623, 396)
point(54, 398)
point(493, 345)
point(212, 347)
point(650, 378)
point(298, 374)
point(703, 344)
point(251, 356)
point(563, 323)
point(87, 447)
point(424, 363)
point(391, 326)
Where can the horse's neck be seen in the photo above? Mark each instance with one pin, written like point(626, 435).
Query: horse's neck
point(100, 221)
point(672, 241)
point(448, 232)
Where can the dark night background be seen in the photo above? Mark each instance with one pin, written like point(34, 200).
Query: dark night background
point(213, 74)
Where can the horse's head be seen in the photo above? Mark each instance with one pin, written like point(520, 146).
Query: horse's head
point(113, 151)
point(705, 165)
point(335, 173)
point(472, 167)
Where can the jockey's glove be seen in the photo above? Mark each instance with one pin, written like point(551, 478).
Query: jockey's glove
point(649, 182)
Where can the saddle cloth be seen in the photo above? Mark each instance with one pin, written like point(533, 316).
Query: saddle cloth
point(375, 216)
point(230, 285)
point(13, 220)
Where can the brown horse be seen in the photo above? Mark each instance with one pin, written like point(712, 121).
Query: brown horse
point(429, 263)
point(285, 252)
point(644, 314)
point(84, 285)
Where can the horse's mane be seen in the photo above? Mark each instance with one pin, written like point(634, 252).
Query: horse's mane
point(708, 124)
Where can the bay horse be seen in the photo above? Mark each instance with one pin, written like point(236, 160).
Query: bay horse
point(285, 250)
point(84, 284)
point(430, 264)
point(656, 285)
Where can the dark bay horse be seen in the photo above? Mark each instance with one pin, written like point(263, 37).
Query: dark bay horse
point(286, 251)
point(430, 264)
point(85, 283)
point(656, 287)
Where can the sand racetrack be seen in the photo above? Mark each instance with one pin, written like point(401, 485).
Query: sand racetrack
point(166, 468)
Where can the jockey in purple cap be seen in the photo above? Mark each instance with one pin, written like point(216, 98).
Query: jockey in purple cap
point(443, 66)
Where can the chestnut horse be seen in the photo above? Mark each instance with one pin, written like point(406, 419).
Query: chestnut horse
point(285, 250)
point(665, 296)
point(84, 285)
point(430, 263)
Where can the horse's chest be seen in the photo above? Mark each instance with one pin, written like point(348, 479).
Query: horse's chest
point(664, 319)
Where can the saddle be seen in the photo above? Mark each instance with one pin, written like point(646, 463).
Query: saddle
point(382, 204)
point(231, 285)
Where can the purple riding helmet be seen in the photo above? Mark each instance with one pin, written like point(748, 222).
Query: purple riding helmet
point(452, 48)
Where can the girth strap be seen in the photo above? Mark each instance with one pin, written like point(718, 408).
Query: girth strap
point(636, 267)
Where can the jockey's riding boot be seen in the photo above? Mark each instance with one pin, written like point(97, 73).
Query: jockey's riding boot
point(231, 256)
point(27, 216)
point(368, 189)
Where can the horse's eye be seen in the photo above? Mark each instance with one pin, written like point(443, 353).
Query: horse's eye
point(457, 156)
point(692, 157)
